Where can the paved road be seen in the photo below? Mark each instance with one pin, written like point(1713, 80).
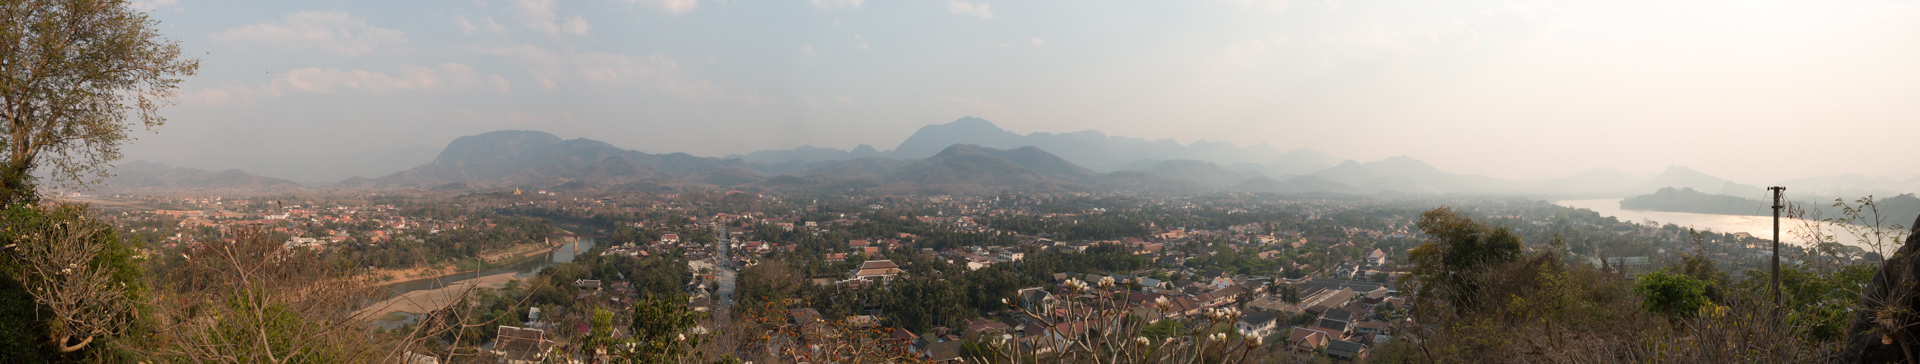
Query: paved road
point(723, 294)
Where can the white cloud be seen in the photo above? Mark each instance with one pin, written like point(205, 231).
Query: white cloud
point(676, 7)
point(224, 95)
point(543, 16)
point(1268, 5)
point(961, 7)
point(863, 40)
point(808, 50)
point(1036, 41)
point(829, 4)
point(211, 96)
point(155, 5)
point(443, 78)
point(1238, 56)
point(844, 99)
point(485, 25)
point(331, 31)
point(656, 71)
point(575, 25)
point(446, 77)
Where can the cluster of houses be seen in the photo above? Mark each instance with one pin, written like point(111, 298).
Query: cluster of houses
point(939, 347)
point(304, 223)
point(1340, 317)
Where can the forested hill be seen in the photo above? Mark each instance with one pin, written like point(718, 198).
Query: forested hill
point(1892, 210)
point(1689, 200)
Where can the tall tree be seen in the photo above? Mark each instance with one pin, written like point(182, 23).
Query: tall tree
point(75, 77)
point(1448, 266)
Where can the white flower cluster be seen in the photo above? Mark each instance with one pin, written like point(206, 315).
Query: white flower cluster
point(1074, 285)
point(1223, 313)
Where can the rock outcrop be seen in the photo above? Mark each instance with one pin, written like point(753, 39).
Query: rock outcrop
point(1885, 332)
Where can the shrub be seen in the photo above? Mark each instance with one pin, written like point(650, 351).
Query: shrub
point(1671, 294)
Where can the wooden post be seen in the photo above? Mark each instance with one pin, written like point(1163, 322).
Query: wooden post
point(1777, 303)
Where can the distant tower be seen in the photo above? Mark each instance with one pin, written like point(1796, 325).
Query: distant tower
point(516, 191)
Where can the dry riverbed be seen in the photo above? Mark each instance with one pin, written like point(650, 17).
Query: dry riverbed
point(428, 300)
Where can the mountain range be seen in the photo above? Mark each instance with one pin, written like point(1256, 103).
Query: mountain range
point(969, 155)
point(1090, 149)
point(143, 176)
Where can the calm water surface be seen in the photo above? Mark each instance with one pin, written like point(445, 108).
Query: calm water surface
point(1759, 226)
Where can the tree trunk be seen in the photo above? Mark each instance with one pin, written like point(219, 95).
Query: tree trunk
point(64, 348)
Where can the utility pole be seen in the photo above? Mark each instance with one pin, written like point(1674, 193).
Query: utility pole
point(1777, 191)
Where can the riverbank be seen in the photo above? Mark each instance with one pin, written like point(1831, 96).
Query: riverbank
point(509, 257)
point(1792, 230)
point(428, 300)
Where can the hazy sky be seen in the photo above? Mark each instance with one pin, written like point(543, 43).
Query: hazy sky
point(1750, 90)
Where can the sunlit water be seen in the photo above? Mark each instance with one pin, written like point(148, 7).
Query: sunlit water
point(1791, 230)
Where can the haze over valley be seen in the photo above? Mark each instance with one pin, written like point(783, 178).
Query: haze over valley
point(959, 181)
point(993, 159)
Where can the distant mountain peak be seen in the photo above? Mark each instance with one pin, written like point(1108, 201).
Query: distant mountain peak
point(973, 122)
point(1092, 149)
point(1677, 176)
point(959, 149)
point(933, 139)
point(144, 175)
point(495, 146)
point(533, 158)
point(1677, 169)
point(1029, 149)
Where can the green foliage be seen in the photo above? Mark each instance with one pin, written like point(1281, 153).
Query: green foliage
point(1289, 294)
point(1822, 301)
point(1238, 261)
point(1671, 294)
point(116, 256)
point(1449, 264)
point(554, 284)
point(662, 333)
point(1163, 329)
point(766, 283)
point(24, 339)
point(473, 240)
point(660, 275)
point(921, 303)
point(98, 68)
point(249, 315)
point(599, 331)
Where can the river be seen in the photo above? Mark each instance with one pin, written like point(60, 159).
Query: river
point(1759, 226)
point(523, 269)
